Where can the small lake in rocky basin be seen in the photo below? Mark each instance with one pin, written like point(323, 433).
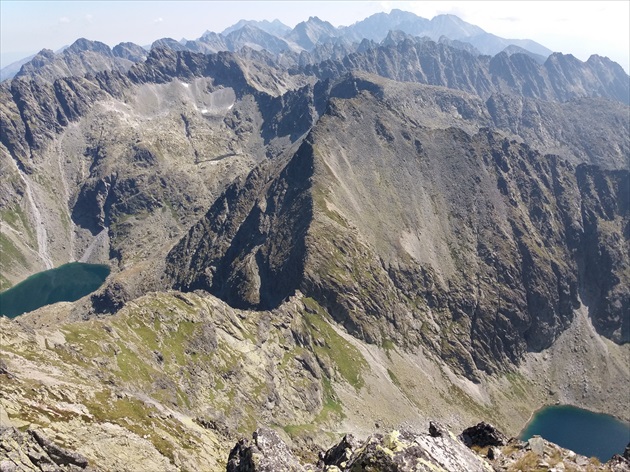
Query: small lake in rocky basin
point(66, 283)
point(584, 432)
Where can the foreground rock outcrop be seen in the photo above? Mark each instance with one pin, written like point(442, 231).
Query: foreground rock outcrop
point(31, 450)
point(484, 449)
point(405, 451)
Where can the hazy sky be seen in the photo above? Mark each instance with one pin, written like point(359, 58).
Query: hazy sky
point(581, 28)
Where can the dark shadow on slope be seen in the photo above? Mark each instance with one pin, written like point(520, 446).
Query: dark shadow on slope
point(603, 255)
point(249, 249)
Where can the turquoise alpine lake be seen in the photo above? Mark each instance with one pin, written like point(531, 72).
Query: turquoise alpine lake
point(584, 432)
point(66, 283)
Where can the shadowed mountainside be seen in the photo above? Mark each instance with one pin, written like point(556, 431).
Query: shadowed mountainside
point(482, 268)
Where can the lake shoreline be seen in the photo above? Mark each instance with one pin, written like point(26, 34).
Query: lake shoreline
point(66, 283)
point(537, 410)
point(586, 432)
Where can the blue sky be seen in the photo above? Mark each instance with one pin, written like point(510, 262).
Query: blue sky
point(579, 27)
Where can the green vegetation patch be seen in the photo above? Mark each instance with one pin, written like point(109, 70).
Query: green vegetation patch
point(11, 255)
point(159, 326)
point(457, 396)
point(177, 340)
point(320, 198)
point(137, 417)
point(394, 379)
point(4, 283)
point(88, 336)
point(389, 346)
point(132, 368)
point(331, 411)
point(518, 384)
point(15, 217)
point(347, 358)
point(147, 334)
point(332, 408)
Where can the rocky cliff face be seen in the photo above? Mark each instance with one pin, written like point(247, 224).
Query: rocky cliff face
point(130, 154)
point(603, 248)
point(249, 248)
point(480, 448)
point(33, 451)
point(482, 268)
point(560, 78)
point(81, 58)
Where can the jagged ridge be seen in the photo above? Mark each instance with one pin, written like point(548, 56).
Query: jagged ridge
point(481, 268)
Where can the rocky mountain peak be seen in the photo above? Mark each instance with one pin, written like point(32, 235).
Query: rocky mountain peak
point(308, 33)
point(453, 27)
point(394, 37)
point(43, 57)
point(275, 27)
point(169, 43)
point(81, 58)
point(248, 276)
point(130, 51)
point(251, 35)
point(83, 44)
point(514, 49)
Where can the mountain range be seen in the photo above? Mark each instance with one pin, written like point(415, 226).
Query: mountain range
point(317, 230)
point(278, 38)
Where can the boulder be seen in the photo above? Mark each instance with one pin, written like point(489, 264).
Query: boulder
point(537, 444)
point(340, 454)
point(482, 435)
point(32, 451)
point(266, 452)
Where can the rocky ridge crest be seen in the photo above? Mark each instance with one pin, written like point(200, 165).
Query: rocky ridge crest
point(358, 268)
point(406, 451)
